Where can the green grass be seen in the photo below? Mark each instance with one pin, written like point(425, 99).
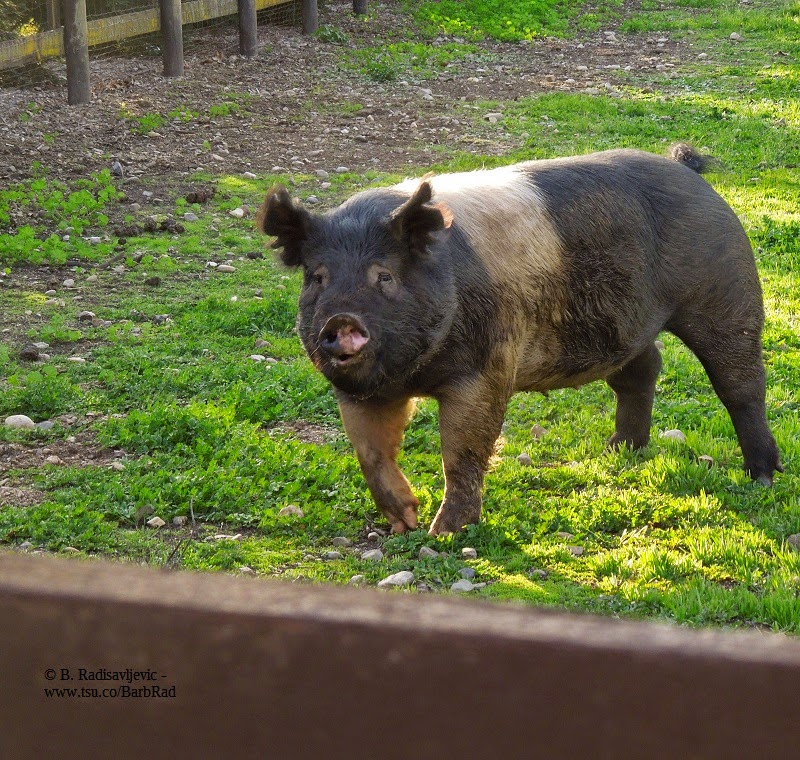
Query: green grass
point(214, 436)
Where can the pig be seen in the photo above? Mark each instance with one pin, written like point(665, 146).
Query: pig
point(545, 274)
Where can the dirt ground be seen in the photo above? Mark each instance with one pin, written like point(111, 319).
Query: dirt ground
point(296, 116)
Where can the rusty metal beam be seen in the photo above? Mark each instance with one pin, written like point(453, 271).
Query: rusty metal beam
point(270, 670)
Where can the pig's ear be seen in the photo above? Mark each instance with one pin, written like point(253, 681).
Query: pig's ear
point(415, 222)
point(288, 221)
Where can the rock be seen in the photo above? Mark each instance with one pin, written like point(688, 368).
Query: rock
point(341, 541)
point(674, 435)
point(25, 546)
point(524, 459)
point(53, 459)
point(118, 466)
point(228, 537)
point(116, 169)
point(29, 353)
point(356, 580)
point(576, 551)
point(190, 217)
point(257, 357)
point(425, 552)
point(794, 541)
point(372, 555)
point(537, 432)
point(41, 345)
point(153, 282)
point(403, 578)
point(68, 283)
point(659, 345)
point(45, 425)
point(249, 175)
point(493, 117)
point(342, 169)
point(245, 570)
point(291, 509)
point(20, 422)
point(237, 213)
point(332, 555)
point(76, 359)
point(156, 522)
point(736, 37)
point(706, 460)
point(70, 550)
point(373, 536)
point(322, 174)
point(226, 268)
point(565, 535)
point(469, 553)
point(538, 574)
point(462, 586)
point(86, 316)
point(467, 572)
point(179, 521)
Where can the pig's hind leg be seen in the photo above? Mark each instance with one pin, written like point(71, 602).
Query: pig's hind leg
point(728, 345)
point(635, 385)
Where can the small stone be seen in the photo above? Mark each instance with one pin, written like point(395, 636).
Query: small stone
point(469, 553)
point(537, 432)
point(156, 522)
point(674, 435)
point(342, 169)
point(237, 213)
point(524, 459)
point(493, 117)
point(20, 422)
point(153, 282)
point(341, 541)
point(257, 357)
point(118, 466)
point(226, 268)
point(332, 555)
point(706, 460)
point(190, 217)
point(565, 535)
point(736, 37)
point(462, 586)
point(249, 175)
point(70, 550)
point(261, 343)
point(68, 283)
point(467, 572)
point(576, 551)
point(794, 541)
point(180, 520)
point(403, 578)
point(53, 459)
point(76, 359)
point(86, 316)
point(373, 536)
point(356, 580)
point(45, 425)
point(659, 345)
point(245, 570)
point(312, 199)
point(322, 174)
point(425, 552)
point(372, 555)
point(538, 574)
point(293, 510)
point(25, 546)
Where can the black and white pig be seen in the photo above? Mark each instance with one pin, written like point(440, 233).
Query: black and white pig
point(546, 274)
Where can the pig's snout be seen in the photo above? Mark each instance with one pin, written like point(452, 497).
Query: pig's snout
point(343, 337)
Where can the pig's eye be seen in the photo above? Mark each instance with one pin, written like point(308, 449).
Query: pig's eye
point(384, 277)
point(317, 279)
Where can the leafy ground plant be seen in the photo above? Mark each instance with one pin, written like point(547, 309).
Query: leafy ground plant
point(188, 397)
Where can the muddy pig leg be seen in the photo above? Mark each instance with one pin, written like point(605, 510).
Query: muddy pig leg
point(376, 432)
point(729, 348)
point(635, 387)
point(470, 418)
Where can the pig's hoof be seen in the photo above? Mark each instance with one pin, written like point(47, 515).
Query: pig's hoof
point(406, 521)
point(449, 522)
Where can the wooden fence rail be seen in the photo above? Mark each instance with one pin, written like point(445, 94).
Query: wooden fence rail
point(103, 660)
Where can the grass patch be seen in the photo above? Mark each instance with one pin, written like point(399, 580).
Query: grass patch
point(227, 441)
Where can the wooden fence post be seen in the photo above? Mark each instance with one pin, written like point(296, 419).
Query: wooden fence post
point(76, 52)
point(310, 16)
point(248, 28)
point(172, 37)
point(53, 14)
point(360, 7)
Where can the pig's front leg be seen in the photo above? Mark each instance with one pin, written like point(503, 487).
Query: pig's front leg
point(470, 418)
point(376, 432)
